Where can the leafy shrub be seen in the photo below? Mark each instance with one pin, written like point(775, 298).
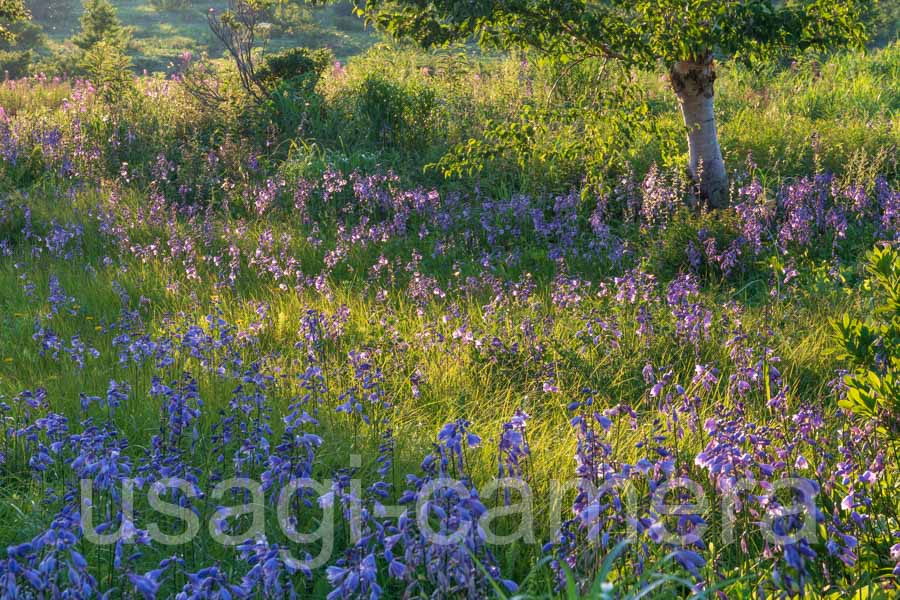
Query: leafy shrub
point(295, 67)
point(15, 63)
point(395, 115)
point(872, 347)
point(17, 54)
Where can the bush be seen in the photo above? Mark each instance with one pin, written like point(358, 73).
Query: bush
point(15, 64)
point(873, 347)
point(295, 67)
point(395, 115)
point(16, 56)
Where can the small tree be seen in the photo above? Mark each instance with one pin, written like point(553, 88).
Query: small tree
point(17, 54)
point(240, 29)
point(100, 23)
point(686, 36)
point(11, 11)
point(109, 69)
point(243, 31)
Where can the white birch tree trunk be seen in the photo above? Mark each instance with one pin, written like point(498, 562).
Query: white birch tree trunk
point(693, 85)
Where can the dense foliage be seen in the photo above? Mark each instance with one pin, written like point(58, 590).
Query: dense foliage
point(640, 32)
point(686, 37)
point(11, 12)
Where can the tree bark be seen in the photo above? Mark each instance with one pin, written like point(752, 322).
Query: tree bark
point(693, 85)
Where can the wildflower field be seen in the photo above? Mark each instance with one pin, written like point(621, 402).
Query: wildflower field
point(304, 349)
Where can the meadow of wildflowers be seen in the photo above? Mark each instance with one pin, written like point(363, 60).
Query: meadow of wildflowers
point(231, 371)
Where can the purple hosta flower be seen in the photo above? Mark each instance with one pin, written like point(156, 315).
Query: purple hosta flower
point(706, 376)
point(265, 197)
point(453, 440)
point(366, 397)
point(562, 230)
point(691, 561)
point(180, 407)
point(212, 582)
point(797, 558)
point(726, 456)
point(139, 349)
point(645, 323)
point(359, 580)
point(251, 406)
point(681, 290)
point(836, 219)
point(76, 350)
point(99, 455)
point(216, 343)
point(148, 584)
point(649, 374)
point(601, 333)
point(729, 259)
point(273, 569)
point(803, 204)
point(58, 298)
point(312, 334)
point(51, 344)
point(889, 202)
point(385, 461)
point(755, 215)
point(895, 557)
point(415, 380)
point(354, 575)
point(752, 367)
point(513, 446)
point(424, 290)
point(661, 196)
point(28, 286)
point(375, 189)
point(60, 237)
point(293, 457)
point(440, 562)
point(116, 393)
point(841, 544)
point(503, 221)
point(313, 383)
point(50, 565)
point(163, 169)
point(635, 286)
point(302, 195)
point(333, 182)
point(600, 517)
point(568, 292)
point(857, 201)
point(692, 322)
point(10, 145)
point(549, 386)
point(604, 242)
point(361, 513)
